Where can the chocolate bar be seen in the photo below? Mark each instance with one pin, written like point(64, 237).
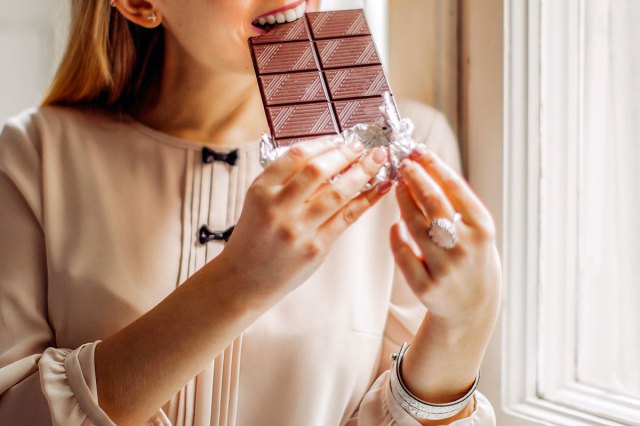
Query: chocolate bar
point(319, 75)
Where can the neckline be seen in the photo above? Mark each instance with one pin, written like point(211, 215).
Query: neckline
point(186, 143)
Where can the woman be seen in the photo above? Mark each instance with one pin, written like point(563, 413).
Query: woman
point(113, 311)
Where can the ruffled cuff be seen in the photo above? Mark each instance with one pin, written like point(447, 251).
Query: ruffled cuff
point(68, 381)
point(70, 399)
point(69, 384)
point(380, 407)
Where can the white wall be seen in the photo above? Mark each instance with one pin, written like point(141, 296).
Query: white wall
point(31, 34)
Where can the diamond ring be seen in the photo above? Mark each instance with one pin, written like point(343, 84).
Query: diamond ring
point(443, 232)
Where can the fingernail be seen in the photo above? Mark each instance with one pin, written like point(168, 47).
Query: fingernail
point(335, 141)
point(403, 164)
point(385, 187)
point(419, 151)
point(356, 146)
point(379, 155)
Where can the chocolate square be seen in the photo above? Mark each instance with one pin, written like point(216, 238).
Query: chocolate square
point(285, 57)
point(347, 52)
point(302, 120)
point(294, 31)
point(356, 82)
point(338, 24)
point(359, 111)
point(293, 88)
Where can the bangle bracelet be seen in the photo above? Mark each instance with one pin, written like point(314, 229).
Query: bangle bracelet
point(415, 406)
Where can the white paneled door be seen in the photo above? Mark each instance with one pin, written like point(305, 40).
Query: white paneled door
point(31, 37)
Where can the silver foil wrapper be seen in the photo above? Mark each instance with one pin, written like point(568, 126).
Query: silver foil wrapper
point(391, 132)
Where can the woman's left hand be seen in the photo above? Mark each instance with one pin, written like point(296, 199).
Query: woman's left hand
point(460, 286)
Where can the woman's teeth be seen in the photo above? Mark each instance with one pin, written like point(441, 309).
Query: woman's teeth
point(281, 17)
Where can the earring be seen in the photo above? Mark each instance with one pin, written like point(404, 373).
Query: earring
point(152, 17)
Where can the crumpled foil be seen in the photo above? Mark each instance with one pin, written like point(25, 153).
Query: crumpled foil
point(392, 132)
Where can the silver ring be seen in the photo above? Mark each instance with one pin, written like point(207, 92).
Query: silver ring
point(443, 232)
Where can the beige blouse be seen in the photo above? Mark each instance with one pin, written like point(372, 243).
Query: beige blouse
point(99, 221)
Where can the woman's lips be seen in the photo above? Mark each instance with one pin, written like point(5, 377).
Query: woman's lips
point(288, 13)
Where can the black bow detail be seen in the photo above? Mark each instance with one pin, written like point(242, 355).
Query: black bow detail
point(209, 156)
point(207, 235)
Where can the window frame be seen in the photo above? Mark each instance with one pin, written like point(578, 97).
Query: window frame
point(540, 247)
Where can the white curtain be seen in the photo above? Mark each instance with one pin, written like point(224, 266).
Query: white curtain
point(609, 217)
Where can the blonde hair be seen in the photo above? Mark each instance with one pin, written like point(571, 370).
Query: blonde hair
point(108, 62)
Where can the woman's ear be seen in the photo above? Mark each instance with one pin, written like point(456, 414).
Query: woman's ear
point(141, 12)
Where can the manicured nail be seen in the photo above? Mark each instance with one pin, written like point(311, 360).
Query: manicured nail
point(404, 164)
point(385, 187)
point(356, 146)
point(419, 151)
point(379, 155)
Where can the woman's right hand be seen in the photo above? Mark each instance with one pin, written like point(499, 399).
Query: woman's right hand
point(289, 220)
point(291, 216)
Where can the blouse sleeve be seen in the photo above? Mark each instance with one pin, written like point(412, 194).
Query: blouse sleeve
point(406, 313)
point(39, 383)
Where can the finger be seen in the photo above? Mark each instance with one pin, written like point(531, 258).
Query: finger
point(317, 171)
point(294, 159)
point(330, 230)
point(321, 188)
point(427, 193)
point(335, 196)
point(413, 268)
point(460, 194)
point(438, 260)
